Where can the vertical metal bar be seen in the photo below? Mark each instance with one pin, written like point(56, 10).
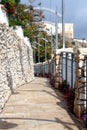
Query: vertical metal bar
point(43, 69)
point(51, 66)
point(40, 68)
point(45, 51)
point(72, 70)
point(38, 53)
point(51, 44)
point(48, 67)
point(56, 29)
point(62, 63)
point(66, 66)
point(63, 26)
point(54, 66)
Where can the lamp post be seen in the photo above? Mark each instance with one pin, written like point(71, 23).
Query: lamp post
point(38, 52)
point(45, 51)
point(63, 26)
point(57, 14)
point(51, 44)
point(56, 30)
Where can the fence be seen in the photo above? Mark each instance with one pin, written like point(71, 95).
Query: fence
point(68, 67)
point(73, 67)
point(44, 68)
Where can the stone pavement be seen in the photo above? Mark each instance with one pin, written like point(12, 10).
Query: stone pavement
point(36, 106)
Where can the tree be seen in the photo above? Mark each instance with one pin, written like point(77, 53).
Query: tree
point(22, 16)
point(17, 1)
point(9, 6)
point(25, 16)
point(10, 1)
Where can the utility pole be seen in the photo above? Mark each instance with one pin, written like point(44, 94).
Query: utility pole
point(51, 44)
point(63, 26)
point(56, 29)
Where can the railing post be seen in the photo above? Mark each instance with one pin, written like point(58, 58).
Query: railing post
point(80, 102)
point(72, 56)
point(42, 69)
point(62, 63)
point(57, 71)
point(66, 66)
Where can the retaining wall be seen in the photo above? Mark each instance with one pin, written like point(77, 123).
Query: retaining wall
point(16, 63)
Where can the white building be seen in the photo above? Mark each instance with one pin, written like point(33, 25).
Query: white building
point(69, 28)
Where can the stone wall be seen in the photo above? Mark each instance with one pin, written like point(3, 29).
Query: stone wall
point(80, 83)
point(3, 15)
point(16, 63)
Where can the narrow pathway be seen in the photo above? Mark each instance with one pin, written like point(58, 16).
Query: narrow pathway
point(36, 106)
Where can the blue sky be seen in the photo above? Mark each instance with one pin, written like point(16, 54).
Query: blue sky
point(75, 12)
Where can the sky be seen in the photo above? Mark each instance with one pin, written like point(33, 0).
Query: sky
point(75, 11)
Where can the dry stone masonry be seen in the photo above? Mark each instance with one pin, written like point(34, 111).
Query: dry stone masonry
point(80, 83)
point(16, 63)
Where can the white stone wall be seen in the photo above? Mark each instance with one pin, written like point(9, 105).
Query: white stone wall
point(16, 63)
point(3, 15)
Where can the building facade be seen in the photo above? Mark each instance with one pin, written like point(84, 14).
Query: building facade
point(69, 29)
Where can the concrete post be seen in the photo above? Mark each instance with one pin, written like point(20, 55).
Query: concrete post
point(57, 71)
point(80, 82)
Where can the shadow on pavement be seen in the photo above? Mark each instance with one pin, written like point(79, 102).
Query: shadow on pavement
point(63, 105)
point(6, 125)
point(67, 125)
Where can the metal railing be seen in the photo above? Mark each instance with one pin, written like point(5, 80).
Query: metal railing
point(68, 67)
point(44, 68)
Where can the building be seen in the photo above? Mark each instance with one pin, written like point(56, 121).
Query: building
point(80, 42)
point(69, 29)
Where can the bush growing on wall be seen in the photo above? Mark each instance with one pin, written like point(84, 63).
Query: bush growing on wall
point(9, 6)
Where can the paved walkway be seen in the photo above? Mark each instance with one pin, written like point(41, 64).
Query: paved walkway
point(36, 106)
